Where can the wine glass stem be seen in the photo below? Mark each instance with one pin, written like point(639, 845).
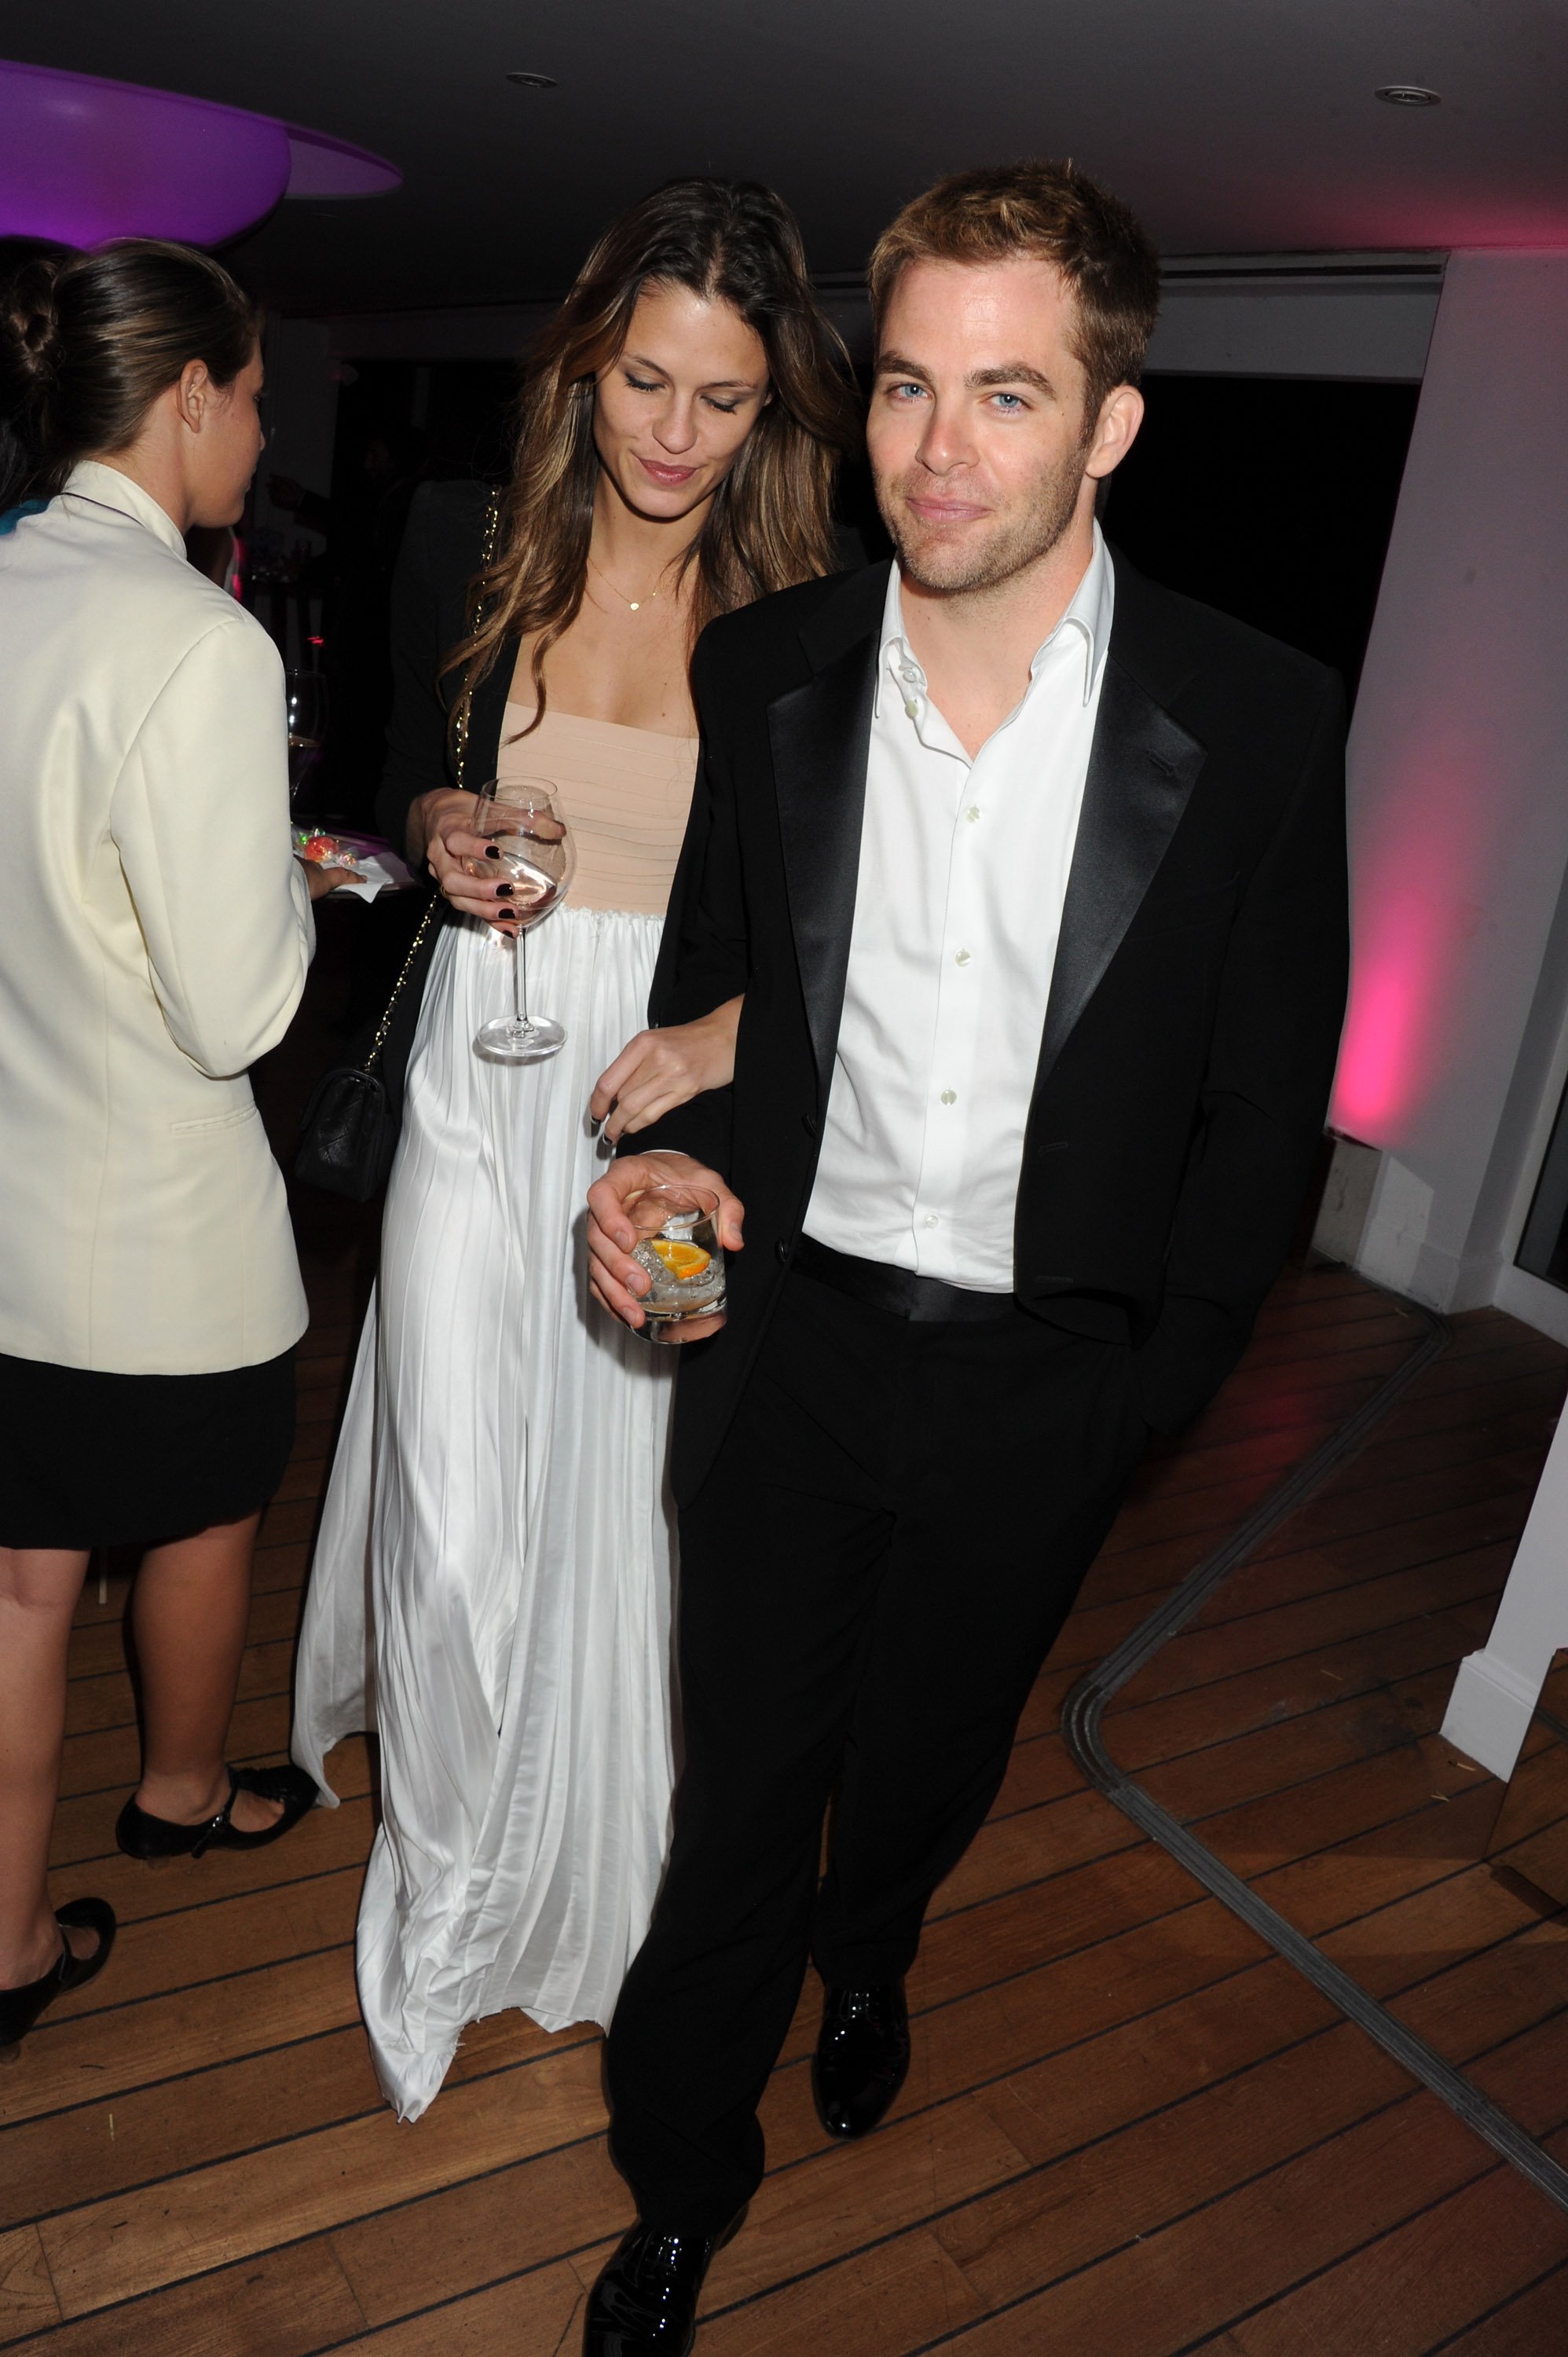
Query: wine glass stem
point(520, 979)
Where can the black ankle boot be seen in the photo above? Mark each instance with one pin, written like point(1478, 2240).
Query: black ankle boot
point(862, 2057)
point(645, 2301)
point(20, 2008)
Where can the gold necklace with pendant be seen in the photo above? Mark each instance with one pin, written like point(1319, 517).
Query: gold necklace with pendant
point(636, 604)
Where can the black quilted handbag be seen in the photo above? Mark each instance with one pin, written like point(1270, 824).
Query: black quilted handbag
point(350, 1127)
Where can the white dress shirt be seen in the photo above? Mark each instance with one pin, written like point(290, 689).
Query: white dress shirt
point(964, 872)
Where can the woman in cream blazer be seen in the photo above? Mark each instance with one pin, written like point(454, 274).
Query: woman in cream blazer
point(154, 933)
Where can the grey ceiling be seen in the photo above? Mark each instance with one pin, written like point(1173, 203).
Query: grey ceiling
point(1233, 126)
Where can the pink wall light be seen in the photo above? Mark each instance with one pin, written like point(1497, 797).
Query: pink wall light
point(1416, 859)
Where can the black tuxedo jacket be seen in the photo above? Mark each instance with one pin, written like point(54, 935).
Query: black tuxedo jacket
point(1194, 1006)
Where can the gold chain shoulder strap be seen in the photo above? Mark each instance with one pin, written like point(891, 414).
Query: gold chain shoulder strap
point(432, 914)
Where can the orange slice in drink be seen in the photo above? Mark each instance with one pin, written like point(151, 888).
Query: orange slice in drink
point(683, 1261)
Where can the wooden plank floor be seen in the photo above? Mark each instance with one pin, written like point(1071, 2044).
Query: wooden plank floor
point(1130, 2129)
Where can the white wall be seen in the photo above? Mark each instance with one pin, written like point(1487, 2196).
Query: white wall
point(1459, 792)
point(1353, 318)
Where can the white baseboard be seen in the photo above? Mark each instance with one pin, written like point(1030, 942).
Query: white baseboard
point(1457, 1281)
point(1397, 1220)
point(1489, 1711)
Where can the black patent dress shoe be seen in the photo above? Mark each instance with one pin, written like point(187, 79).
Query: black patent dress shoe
point(20, 2008)
point(140, 1835)
point(862, 2057)
point(645, 2301)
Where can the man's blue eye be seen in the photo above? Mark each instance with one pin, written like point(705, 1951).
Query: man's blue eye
point(1016, 400)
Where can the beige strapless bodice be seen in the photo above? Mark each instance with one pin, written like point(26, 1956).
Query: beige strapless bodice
point(624, 792)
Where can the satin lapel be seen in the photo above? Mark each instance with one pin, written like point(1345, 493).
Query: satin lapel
point(820, 736)
point(1142, 767)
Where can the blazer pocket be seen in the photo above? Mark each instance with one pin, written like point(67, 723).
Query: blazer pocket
point(230, 1120)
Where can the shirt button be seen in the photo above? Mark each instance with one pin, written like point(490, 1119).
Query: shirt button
point(949, 1096)
point(963, 958)
point(930, 1221)
point(973, 813)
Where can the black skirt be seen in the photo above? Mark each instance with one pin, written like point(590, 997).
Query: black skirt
point(94, 1460)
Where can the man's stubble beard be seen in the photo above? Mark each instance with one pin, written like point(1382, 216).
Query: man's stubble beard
point(1021, 541)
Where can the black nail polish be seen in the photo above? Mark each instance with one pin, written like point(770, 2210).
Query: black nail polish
point(490, 851)
point(503, 892)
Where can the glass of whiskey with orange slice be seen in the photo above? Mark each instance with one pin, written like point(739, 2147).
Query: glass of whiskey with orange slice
point(678, 1244)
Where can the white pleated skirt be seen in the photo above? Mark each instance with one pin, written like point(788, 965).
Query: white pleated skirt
point(491, 1587)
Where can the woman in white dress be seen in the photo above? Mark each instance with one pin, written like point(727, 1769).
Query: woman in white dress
point(491, 1585)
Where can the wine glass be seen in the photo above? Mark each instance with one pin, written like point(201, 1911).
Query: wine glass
point(536, 853)
point(306, 692)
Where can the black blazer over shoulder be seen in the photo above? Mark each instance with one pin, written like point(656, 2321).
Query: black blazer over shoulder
point(442, 551)
point(1196, 997)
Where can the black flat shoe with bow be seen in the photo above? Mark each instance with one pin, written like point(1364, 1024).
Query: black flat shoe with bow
point(20, 2008)
point(140, 1835)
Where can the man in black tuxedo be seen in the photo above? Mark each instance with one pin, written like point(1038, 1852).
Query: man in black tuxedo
point(1033, 875)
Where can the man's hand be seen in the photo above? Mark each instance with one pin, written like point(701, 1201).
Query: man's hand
point(616, 1280)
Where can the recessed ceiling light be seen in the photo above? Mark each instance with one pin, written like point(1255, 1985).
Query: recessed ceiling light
point(533, 80)
point(1408, 94)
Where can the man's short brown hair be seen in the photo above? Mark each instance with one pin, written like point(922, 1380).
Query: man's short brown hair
point(1058, 213)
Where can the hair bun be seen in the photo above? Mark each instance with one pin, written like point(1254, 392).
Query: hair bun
point(29, 317)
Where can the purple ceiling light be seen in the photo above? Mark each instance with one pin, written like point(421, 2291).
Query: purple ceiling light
point(82, 159)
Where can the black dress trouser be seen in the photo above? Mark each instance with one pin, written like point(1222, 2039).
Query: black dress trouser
point(892, 1535)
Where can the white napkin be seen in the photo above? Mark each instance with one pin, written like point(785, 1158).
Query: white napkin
point(380, 871)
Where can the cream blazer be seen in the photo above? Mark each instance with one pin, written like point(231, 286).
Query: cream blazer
point(154, 932)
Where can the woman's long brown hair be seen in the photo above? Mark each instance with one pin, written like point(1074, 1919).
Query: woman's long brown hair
point(769, 525)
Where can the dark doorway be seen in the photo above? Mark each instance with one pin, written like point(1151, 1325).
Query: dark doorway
point(460, 411)
point(400, 424)
point(1543, 1247)
point(1272, 498)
